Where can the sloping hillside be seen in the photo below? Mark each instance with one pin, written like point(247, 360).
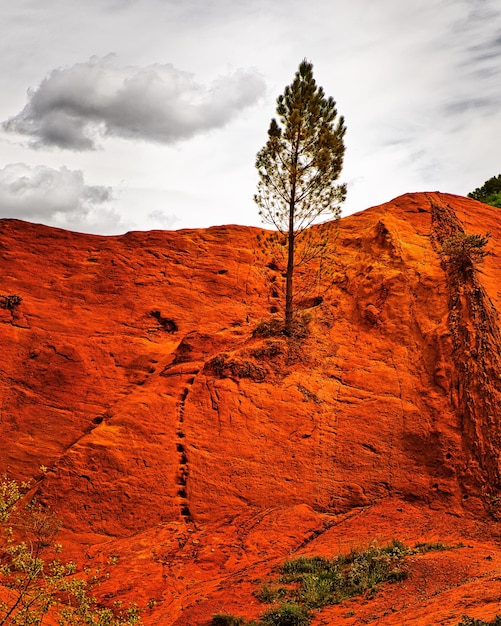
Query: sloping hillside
point(201, 454)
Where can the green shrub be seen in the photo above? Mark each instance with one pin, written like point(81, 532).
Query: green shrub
point(373, 566)
point(34, 581)
point(396, 548)
point(270, 593)
point(227, 619)
point(293, 569)
point(315, 582)
point(287, 614)
point(471, 621)
point(462, 251)
point(317, 591)
point(325, 581)
point(435, 546)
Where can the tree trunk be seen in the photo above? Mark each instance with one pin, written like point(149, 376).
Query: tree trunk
point(289, 305)
point(289, 288)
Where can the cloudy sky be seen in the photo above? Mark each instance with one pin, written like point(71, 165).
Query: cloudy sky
point(121, 115)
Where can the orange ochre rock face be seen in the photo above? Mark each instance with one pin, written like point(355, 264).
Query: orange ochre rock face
point(195, 454)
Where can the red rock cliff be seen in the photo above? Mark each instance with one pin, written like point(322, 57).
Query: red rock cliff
point(130, 370)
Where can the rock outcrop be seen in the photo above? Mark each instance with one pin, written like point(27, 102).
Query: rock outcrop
point(203, 452)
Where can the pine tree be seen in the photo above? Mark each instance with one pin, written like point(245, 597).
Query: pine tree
point(489, 193)
point(298, 169)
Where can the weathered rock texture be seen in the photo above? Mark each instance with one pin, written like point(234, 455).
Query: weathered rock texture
point(202, 453)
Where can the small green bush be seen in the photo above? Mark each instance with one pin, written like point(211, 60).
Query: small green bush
point(462, 251)
point(471, 621)
point(227, 619)
point(396, 548)
point(315, 582)
point(325, 581)
point(435, 546)
point(317, 591)
point(287, 614)
point(373, 566)
point(270, 593)
point(293, 569)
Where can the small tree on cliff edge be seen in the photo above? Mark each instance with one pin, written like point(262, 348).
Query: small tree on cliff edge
point(298, 168)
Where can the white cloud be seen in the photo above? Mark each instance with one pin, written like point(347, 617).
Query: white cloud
point(75, 106)
point(417, 81)
point(162, 220)
point(59, 197)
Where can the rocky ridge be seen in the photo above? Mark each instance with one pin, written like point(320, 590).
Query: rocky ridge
point(201, 454)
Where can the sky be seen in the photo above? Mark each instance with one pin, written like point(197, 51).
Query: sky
point(121, 115)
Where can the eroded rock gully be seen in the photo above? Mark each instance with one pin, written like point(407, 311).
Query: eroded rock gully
point(195, 454)
point(476, 356)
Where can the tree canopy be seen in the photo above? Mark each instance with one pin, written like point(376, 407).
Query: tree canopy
point(298, 168)
point(489, 193)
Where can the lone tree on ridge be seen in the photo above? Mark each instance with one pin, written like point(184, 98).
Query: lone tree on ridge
point(298, 168)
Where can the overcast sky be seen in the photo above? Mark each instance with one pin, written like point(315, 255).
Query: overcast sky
point(121, 115)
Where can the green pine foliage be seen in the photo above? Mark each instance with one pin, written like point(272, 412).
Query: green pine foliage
point(489, 193)
point(298, 168)
point(462, 252)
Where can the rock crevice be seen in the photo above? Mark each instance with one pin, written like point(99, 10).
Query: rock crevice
point(473, 323)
